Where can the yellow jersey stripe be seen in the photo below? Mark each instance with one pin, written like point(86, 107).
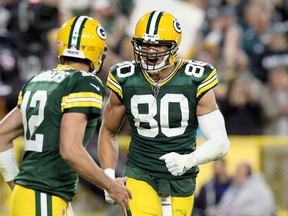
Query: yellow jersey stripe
point(20, 98)
point(113, 84)
point(115, 89)
point(213, 73)
point(209, 85)
point(82, 104)
point(81, 99)
point(82, 95)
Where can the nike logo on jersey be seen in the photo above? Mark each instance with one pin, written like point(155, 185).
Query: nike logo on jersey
point(96, 87)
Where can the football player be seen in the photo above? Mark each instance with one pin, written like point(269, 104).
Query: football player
point(165, 100)
point(57, 113)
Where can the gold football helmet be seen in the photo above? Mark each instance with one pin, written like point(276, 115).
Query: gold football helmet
point(82, 37)
point(156, 28)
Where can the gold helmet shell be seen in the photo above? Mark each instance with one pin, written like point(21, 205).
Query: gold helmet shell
point(82, 37)
point(157, 28)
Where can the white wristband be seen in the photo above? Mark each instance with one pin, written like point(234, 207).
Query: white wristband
point(110, 172)
point(8, 165)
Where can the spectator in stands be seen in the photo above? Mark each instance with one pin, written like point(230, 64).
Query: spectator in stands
point(274, 100)
point(280, 11)
point(211, 192)
point(223, 38)
point(240, 106)
point(275, 53)
point(252, 42)
point(249, 195)
point(109, 13)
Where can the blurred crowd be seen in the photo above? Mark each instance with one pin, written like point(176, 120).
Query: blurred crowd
point(246, 40)
point(245, 192)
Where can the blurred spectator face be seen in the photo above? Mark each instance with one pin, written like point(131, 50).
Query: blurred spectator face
point(251, 14)
point(278, 41)
point(238, 92)
point(243, 171)
point(278, 78)
point(105, 8)
point(242, 61)
point(219, 167)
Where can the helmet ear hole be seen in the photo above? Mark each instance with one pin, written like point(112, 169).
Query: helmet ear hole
point(61, 60)
point(91, 67)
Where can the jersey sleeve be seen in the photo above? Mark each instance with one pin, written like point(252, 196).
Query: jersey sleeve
point(114, 81)
point(85, 96)
point(114, 85)
point(20, 95)
point(20, 99)
point(207, 81)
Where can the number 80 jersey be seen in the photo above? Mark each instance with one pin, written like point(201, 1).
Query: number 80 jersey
point(162, 115)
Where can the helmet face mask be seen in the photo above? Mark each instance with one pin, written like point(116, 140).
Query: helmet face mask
point(84, 38)
point(155, 30)
point(154, 57)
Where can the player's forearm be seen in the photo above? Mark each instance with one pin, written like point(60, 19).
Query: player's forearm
point(211, 150)
point(8, 165)
point(10, 128)
point(217, 144)
point(84, 165)
point(107, 149)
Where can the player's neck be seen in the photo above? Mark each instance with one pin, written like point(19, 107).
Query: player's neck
point(163, 73)
point(79, 66)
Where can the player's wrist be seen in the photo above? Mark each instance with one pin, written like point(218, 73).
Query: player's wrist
point(110, 172)
point(8, 165)
point(191, 160)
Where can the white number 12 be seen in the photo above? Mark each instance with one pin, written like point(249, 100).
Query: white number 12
point(35, 120)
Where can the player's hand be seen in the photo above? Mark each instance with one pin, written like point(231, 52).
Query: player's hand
point(108, 199)
point(178, 164)
point(120, 193)
point(111, 173)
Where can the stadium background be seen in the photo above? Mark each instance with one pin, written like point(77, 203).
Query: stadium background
point(268, 154)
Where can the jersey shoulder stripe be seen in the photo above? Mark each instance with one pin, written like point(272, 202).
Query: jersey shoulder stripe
point(78, 90)
point(203, 75)
point(81, 99)
point(199, 75)
point(210, 82)
point(114, 85)
point(118, 73)
point(20, 99)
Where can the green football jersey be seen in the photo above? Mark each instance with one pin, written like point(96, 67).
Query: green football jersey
point(43, 101)
point(162, 114)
